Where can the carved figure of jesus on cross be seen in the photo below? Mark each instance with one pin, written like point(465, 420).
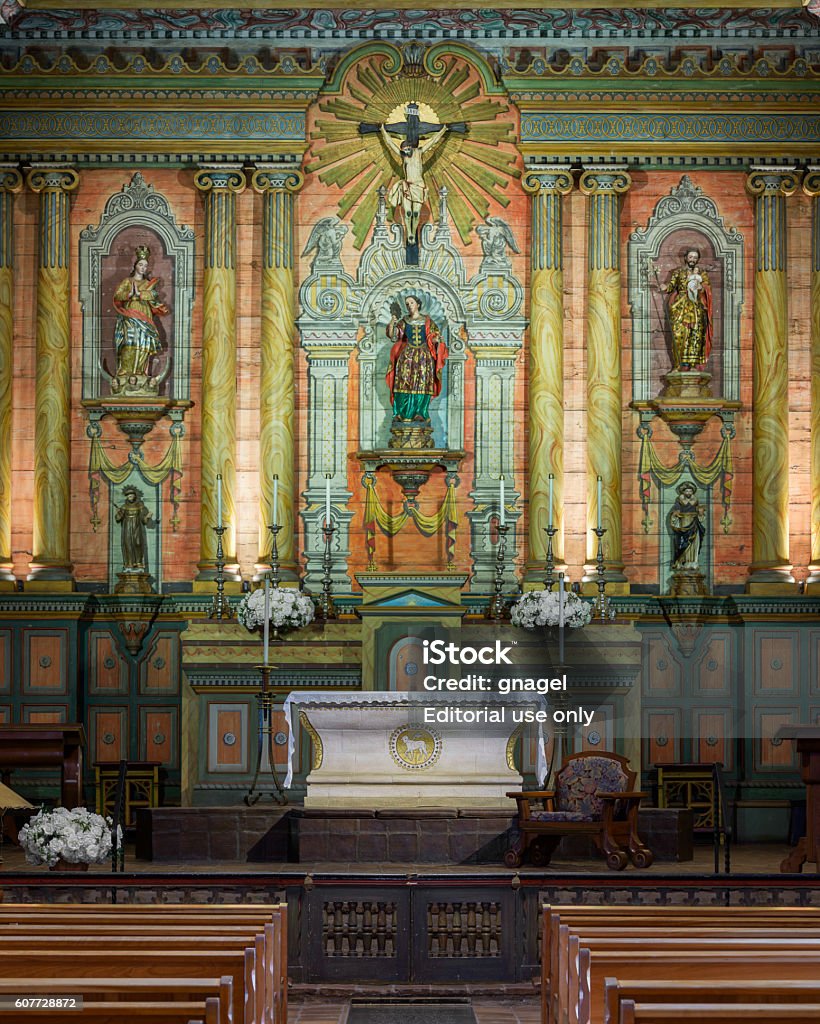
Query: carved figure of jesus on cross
point(410, 192)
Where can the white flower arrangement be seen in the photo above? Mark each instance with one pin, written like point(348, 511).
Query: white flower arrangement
point(77, 836)
point(289, 608)
point(540, 608)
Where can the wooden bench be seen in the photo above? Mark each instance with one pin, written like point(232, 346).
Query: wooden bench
point(688, 993)
point(114, 1013)
point(574, 943)
point(262, 925)
point(718, 1013)
point(128, 990)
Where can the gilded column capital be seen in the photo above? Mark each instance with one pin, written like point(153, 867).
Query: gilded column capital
point(543, 178)
point(773, 181)
point(220, 178)
point(11, 180)
point(47, 178)
point(811, 181)
point(276, 178)
point(605, 179)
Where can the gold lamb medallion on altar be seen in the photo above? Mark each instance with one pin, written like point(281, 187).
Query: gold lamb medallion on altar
point(413, 747)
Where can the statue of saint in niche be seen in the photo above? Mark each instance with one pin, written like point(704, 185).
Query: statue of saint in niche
point(686, 523)
point(417, 359)
point(136, 335)
point(690, 313)
point(133, 517)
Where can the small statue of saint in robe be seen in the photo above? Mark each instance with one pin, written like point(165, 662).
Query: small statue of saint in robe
point(417, 359)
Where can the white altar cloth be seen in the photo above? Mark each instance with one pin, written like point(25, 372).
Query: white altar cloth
point(377, 749)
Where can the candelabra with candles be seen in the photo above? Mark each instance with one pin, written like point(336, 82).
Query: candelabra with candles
point(328, 529)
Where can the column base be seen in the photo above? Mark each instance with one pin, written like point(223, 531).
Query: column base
point(535, 573)
point(813, 579)
point(771, 579)
point(207, 575)
point(287, 573)
point(49, 577)
point(616, 581)
point(8, 581)
point(230, 586)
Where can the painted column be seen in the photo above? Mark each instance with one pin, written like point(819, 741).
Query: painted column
point(277, 183)
point(220, 186)
point(11, 181)
point(811, 185)
point(770, 387)
point(51, 562)
point(546, 384)
point(604, 185)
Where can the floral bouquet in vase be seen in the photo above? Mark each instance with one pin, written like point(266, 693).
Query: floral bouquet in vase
point(288, 609)
point(540, 608)
point(73, 836)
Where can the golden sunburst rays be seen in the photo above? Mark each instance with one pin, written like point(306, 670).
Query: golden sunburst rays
point(475, 167)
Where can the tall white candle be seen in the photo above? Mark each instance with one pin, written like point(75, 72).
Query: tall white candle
point(219, 500)
point(327, 499)
point(551, 478)
point(275, 499)
point(266, 624)
point(600, 503)
point(502, 514)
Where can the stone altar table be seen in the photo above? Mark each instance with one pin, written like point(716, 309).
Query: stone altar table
point(393, 750)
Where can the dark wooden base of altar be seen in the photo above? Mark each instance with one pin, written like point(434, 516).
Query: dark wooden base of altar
point(294, 835)
point(420, 836)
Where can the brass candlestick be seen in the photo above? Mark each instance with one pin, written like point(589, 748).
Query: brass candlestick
point(326, 603)
point(497, 604)
point(220, 608)
point(602, 602)
point(549, 569)
point(274, 555)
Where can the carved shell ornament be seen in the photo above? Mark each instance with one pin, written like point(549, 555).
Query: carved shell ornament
point(474, 163)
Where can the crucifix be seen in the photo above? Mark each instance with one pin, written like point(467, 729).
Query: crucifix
point(410, 192)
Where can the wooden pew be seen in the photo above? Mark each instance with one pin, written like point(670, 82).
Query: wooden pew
point(271, 918)
point(569, 982)
point(635, 929)
point(127, 990)
point(719, 1013)
point(683, 965)
point(119, 1013)
point(686, 993)
point(240, 965)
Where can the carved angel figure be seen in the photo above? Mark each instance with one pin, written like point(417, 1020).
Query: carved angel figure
point(326, 240)
point(496, 236)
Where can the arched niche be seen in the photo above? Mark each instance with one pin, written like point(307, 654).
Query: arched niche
point(138, 215)
point(685, 219)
